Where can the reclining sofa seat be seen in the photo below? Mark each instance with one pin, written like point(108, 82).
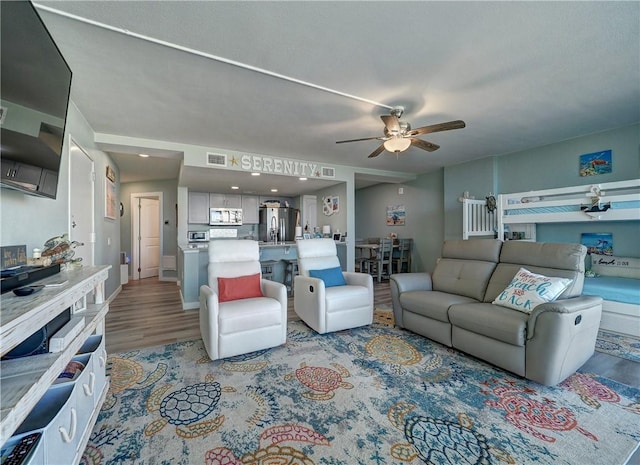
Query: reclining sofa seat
point(453, 306)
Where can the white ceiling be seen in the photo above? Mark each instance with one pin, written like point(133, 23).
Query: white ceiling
point(520, 74)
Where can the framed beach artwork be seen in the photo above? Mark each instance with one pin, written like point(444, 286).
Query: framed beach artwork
point(395, 215)
point(110, 200)
point(593, 164)
point(598, 243)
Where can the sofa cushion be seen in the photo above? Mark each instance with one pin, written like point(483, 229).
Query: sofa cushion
point(494, 321)
point(486, 250)
point(339, 298)
point(527, 290)
point(432, 304)
point(548, 259)
point(247, 314)
point(463, 277)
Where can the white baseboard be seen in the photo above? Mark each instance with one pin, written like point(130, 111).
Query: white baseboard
point(621, 318)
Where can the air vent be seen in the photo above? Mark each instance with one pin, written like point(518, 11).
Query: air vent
point(328, 172)
point(216, 159)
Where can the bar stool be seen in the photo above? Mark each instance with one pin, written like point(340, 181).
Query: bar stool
point(290, 270)
point(267, 269)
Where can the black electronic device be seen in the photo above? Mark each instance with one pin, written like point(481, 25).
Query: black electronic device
point(20, 452)
point(27, 290)
point(19, 277)
point(35, 83)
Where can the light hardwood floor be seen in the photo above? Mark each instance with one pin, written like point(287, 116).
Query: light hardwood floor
point(148, 312)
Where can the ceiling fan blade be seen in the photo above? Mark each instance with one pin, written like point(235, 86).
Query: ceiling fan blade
point(358, 140)
point(377, 151)
point(391, 123)
point(457, 124)
point(424, 145)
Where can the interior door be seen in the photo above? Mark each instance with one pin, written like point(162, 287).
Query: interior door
point(149, 237)
point(81, 196)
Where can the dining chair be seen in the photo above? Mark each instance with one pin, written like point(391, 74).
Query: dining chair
point(403, 256)
point(382, 259)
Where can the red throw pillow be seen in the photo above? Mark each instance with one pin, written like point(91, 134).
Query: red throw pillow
point(242, 287)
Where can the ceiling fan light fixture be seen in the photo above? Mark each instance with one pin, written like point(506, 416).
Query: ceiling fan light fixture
point(397, 144)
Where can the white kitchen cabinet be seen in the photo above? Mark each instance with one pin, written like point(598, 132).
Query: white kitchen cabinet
point(225, 201)
point(250, 213)
point(25, 381)
point(198, 208)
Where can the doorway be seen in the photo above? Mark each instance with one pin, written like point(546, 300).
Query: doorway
point(146, 234)
point(81, 203)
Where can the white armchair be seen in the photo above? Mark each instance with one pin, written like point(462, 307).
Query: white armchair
point(327, 309)
point(247, 322)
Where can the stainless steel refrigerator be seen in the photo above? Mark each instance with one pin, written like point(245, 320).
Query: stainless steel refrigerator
point(277, 224)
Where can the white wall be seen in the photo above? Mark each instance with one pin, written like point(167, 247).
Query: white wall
point(32, 220)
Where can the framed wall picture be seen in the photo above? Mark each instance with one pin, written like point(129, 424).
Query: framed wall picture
point(110, 200)
point(395, 215)
point(593, 164)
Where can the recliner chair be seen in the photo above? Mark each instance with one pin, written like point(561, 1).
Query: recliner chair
point(247, 321)
point(334, 307)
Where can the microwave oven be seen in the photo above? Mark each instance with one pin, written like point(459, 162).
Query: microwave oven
point(225, 217)
point(198, 236)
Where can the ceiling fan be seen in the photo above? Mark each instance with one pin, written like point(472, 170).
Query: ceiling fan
point(398, 135)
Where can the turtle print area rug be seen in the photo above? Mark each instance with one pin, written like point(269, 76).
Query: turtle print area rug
point(372, 395)
point(618, 345)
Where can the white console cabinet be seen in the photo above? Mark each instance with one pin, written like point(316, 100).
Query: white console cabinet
point(26, 382)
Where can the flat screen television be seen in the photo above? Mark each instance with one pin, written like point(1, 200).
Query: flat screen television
point(35, 83)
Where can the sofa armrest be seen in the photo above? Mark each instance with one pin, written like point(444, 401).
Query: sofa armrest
point(588, 304)
point(412, 282)
point(359, 279)
point(561, 337)
point(274, 290)
point(209, 308)
point(405, 282)
point(309, 301)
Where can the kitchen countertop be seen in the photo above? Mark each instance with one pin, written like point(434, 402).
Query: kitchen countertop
point(204, 247)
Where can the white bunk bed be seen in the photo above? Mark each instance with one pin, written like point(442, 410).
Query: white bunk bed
point(614, 201)
point(518, 214)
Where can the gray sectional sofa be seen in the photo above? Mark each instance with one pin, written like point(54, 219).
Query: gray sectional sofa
point(453, 306)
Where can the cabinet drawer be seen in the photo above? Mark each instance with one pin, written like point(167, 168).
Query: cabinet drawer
point(55, 415)
point(83, 390)
point(95, 347)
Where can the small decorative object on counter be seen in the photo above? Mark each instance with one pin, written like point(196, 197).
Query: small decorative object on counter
point(59, 249)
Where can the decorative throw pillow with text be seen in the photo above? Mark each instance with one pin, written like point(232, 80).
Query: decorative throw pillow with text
point(527, 290)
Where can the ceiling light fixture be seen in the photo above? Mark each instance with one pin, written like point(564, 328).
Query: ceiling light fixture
point(274, 190)
point(302, 179)
point(143, 155)
point(255, 174)
point(397, 144)
point(235, 188)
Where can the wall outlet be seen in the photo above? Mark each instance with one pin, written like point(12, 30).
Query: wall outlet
point(400, 190)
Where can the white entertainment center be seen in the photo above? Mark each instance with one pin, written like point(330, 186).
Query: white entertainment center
point(63, 412)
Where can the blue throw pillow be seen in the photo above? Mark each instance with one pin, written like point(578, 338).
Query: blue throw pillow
point(330, 276)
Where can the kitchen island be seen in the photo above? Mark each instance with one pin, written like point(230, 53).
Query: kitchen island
point(193, 263)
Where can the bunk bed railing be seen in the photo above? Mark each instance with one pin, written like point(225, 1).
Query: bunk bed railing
point(477, 220)
point(614, 201)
